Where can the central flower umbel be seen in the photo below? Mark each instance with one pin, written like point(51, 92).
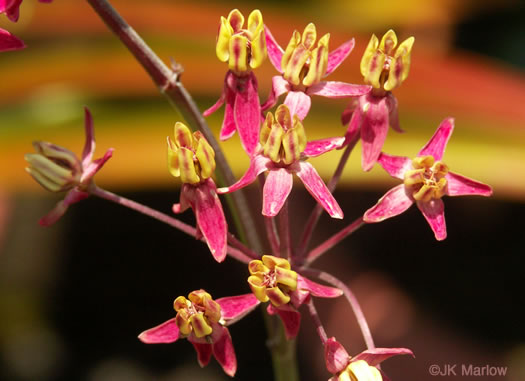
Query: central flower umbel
point(272, 280)
point(282, 139)
point(427, 180)
point(302, 63)
point(196, 314)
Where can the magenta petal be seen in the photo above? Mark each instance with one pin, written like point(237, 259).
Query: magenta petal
point(279, 87)
point(258, 164)
point(9, 41)
point(373, 131)
point(336, 90)
point(277, 187)
point(393, 203)
point(396, 166)
point(58, 211)
point(247, 114)
point(438, 142)
point(12, 9)
point(434, 213)
point(291, 319)
point(215, 107)
point(393, 114)
point(335, 356)
point(317, 188)
point(204, 352)
point(299, 103)
point(223, 350)
point(458, 185)
point(378, 355)
point(356, 120)
point(337, 56)
point(95, 166)
point(164, 333)
point(317, 289)
point(234, 308)
point(315, 148)
point(210, 219)
point(89, 145)
point(275, 52)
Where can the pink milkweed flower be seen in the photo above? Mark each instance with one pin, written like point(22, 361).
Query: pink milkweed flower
point(303, 65)
point(191, 158)
point(244, 50)
point(282, 150)
point(425, 180)
point(361, 367)
point(204, 321)
point(58, 169)
point(384, 67)
point(9, 41)
point(272, 279)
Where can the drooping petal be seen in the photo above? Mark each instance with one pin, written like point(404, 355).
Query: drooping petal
point(58, 211)
point(393, 203)
point(234, 308)
point(247, 114)
point(291, 319)
point(210, 218)
point(337, 56)
point(217, 104)
point(9, 42)
point(335, 356)
point(223, 351)
point(95, 166)
point(438, 142)
point(299, 103)
point(434, 213)
point(317, 289)
point(353, 116)
point(12, 9)
point(396, 166)
point(89, 145)
point(187, 197)
point(378, 355)
point(393, 114)
point(204, 352)
point(373, 131)
point(275, 52)
point(167, 332)
point(316, 148)
point(334, 90)
point(277, 187)
point(458, 185)
point(228, 127)
point(317, 188)
point(258, 164)
point(279, 87)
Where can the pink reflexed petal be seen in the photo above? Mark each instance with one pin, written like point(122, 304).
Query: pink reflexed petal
point(275, 52)
point(337, 56)
point(437, 143)
point(335, 356)
point(216, 106)
point(210, 218)
point(95, 166)
point(299, 297)
point(434, 213)
point(334, 90)
point(393, 203)
point(277, 187)
point(356, 120)
point(458, 185)
point(13, 9)
point(316, 148)
point(234, 308)
point(279, 87)
point(228, 127)
point(373, 131)
point(393, 114)
point(247, 114)
point(223, 350)
point(317, 289)
point(317, 188)
point(164, 333)
point(396, 166)
point(89, 145)
point(258, 164)
point(291, 319)
point(58, 211)
point(299, 103)
point(9, 42)
point(187, 199)
point(378, 355)
point(204, 352)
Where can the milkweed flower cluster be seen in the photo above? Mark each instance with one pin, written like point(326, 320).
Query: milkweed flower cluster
point(276, 143)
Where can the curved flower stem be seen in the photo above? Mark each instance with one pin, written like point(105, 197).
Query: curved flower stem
point(284, 229)
point(352, 300)
point(311, 223)
point(317, 321)
point(169, 84)
point(333, 240)
point(236, 253)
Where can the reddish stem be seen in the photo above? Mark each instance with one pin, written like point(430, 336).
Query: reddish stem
point(317, 321)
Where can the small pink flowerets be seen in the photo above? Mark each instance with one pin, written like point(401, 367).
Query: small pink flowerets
point(204, 321)
point(425, 180)
point(58, 169)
